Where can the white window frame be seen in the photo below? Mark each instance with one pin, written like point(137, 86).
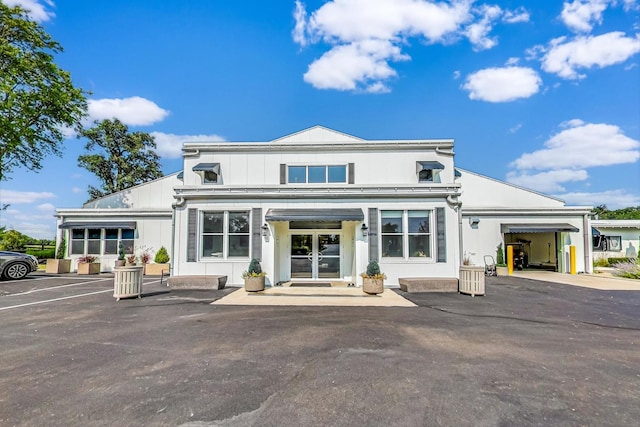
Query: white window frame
point(225, 234)
point(326, 174)
point(406, 255)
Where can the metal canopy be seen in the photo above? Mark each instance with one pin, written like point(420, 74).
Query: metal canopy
point(314, 215)
point(207, 167)
point(93, 225)
point(539, 228)
point(421, 166)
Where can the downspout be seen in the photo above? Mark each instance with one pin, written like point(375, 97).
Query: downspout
point(586, 225)
point(179, 203)
point(457, 205)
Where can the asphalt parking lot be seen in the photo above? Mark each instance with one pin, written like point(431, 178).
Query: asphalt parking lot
point(529, 353)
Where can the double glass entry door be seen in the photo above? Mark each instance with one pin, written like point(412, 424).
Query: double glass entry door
point(315, 255)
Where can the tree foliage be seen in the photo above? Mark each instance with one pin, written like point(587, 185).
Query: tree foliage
point(124, 159)
point(12, 240)
point(37, 98)
point(625, 213)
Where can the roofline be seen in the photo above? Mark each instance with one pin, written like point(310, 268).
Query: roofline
point(317, 127)
point(130, 188)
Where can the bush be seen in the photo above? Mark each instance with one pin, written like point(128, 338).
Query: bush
point(162, 256)
point(628, 270)
point(62, 248)
point(41, 254)
point(613, 261)
point(254, 270)
point(601, 262)
point(88, 259)
point(373, 271)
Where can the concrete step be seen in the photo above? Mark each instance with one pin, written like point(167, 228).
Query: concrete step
point(428, 284)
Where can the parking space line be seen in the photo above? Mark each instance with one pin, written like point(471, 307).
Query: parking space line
point(54, 299)
point(57, 287)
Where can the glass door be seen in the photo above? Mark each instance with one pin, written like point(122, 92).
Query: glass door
point(315, 255)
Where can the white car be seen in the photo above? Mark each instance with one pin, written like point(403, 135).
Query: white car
point(14, 265)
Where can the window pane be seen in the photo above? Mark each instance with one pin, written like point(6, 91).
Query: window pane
point(392, 246)
point(425, 175)
point(238, 222)
point(212, 246)
point(127, 245)
point(419, 222)
point(210, 177)
point(127, 234)
point(419, 246)
point(111, 233)
point(392, 221)
point(297, 174)
point(93, 247)
point(110, 247)
point(317, 174)
point(77, 247)
point(337, 173)
point(77, 233)
point(239, 245)
point(95, 233)
point(213, 222)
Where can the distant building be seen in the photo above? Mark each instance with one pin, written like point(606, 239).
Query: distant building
point(615, 238)
point(319, 204)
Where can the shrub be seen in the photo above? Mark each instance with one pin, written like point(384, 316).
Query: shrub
point(120, 251)
point(62, 248)
point(254, 270)
point(41, 254)
point(88, 259)
point(373, 271)
point(613, 261)
point(601, 262)
point(500, 256)
point(162, 256)
point(628, 270)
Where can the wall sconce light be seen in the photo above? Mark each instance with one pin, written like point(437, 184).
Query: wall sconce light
point(365, 230)
point(265, 230)
point(474, 221)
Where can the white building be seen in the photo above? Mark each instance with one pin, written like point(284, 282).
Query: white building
point(319, 204)
point(616, 238)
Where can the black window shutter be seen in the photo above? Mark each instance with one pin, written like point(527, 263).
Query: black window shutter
point(192, 227)
point(351, 173)
point(373, 234)
point(256, 233)
point(283, 174)
point(441, 250)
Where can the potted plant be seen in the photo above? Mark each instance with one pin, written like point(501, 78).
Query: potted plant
point(254, 277)
point(131, 260)
point(501, 267)
point(59, 264)
point(160, 265)
point(373, 279)
point(88, 264)
point(121, 258)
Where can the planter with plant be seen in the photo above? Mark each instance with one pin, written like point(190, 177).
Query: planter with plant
point(132, 260)
point(373, 279)
point(121, 257)
point(59, 264)
point(160, 263)
point(88, 264)
point(254, 277)
point(501, 267)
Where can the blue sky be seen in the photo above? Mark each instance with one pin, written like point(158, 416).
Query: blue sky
point(542, 94)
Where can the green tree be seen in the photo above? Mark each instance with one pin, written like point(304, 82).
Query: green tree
point(125, 159)
point(13, 240)
point(625, 213)
point(37, 98)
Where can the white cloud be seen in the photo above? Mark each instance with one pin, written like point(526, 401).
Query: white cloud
point(37, 11)
point(564, 57)
point(133, 111)
point(456, 75)
point(516, 16)
point(170, 146)
point(512, 61)
point(365, 36)
point(581, 146)
point(516, 128)
point(581, 15)
point(547, 182)
point(19, 197)
point(46, 208)
point(77, 190)
point(345, 67)
point(478, 32)
point(614, 199)
point(502, 84)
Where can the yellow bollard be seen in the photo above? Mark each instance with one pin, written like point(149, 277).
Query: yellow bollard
point(510, 259)
point(572, 259)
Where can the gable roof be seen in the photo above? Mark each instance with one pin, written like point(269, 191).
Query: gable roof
point(316, 134)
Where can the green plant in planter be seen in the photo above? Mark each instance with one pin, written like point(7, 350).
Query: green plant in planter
point(373, 279)
point(254, 270)
point(162, 256)
point(62, 248)
point(88, 259)
point(121, 255)
point(500, 256)
point(373, 271)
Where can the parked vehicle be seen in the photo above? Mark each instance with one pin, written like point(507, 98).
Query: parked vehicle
point(14, 265)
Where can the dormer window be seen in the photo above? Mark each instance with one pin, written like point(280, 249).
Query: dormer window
point(428, 171)
point(209, 172)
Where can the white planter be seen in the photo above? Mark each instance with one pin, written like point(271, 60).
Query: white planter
point(127, 282)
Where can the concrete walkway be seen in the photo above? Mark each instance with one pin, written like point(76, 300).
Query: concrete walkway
point(333, 296)
point(592, 281)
